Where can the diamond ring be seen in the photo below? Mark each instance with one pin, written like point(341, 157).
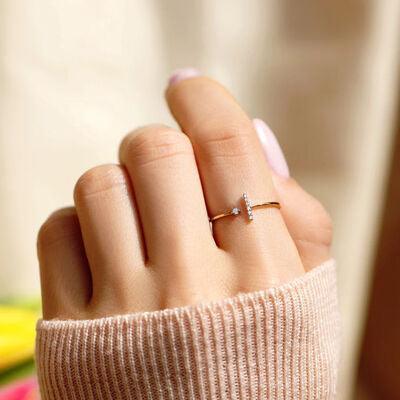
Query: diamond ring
point(249, 207)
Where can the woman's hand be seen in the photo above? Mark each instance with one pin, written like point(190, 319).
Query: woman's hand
point(139, 238)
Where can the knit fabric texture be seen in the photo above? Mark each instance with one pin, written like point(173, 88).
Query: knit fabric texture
point(281, 343)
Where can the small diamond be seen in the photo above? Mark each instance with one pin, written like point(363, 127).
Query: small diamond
point(235, 211)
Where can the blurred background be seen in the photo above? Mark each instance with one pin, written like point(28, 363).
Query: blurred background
point(76, 76)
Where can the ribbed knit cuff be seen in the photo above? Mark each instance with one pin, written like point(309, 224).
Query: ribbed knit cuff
point(281, 343)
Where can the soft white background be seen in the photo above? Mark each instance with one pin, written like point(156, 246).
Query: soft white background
point(75, 76)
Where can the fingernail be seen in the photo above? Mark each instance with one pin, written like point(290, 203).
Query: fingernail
point(182, 74)
point(272, 149)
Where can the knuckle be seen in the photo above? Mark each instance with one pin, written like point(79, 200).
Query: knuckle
point(155, 144)
point(98, 180)
point(61, 224)
point(228, 142)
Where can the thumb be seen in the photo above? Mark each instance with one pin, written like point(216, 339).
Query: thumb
point(308, 222)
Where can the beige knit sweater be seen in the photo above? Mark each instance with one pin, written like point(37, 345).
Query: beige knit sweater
point(281, 343)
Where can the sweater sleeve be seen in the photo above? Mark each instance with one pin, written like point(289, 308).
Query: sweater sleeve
point(281, 343)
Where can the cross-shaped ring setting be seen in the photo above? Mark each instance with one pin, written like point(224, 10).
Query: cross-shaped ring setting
point(249, 207)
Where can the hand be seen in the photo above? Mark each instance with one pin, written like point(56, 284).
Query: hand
point(139, 238)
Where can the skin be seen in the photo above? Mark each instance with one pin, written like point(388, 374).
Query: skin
point(138, 237)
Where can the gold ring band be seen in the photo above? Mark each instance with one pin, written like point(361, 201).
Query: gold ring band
point(250, 206)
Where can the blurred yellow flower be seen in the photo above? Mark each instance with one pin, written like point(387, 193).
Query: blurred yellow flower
point(17, 335)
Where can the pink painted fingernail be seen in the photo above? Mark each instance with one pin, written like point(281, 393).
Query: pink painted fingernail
point(182, 74)
point(272, 149)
